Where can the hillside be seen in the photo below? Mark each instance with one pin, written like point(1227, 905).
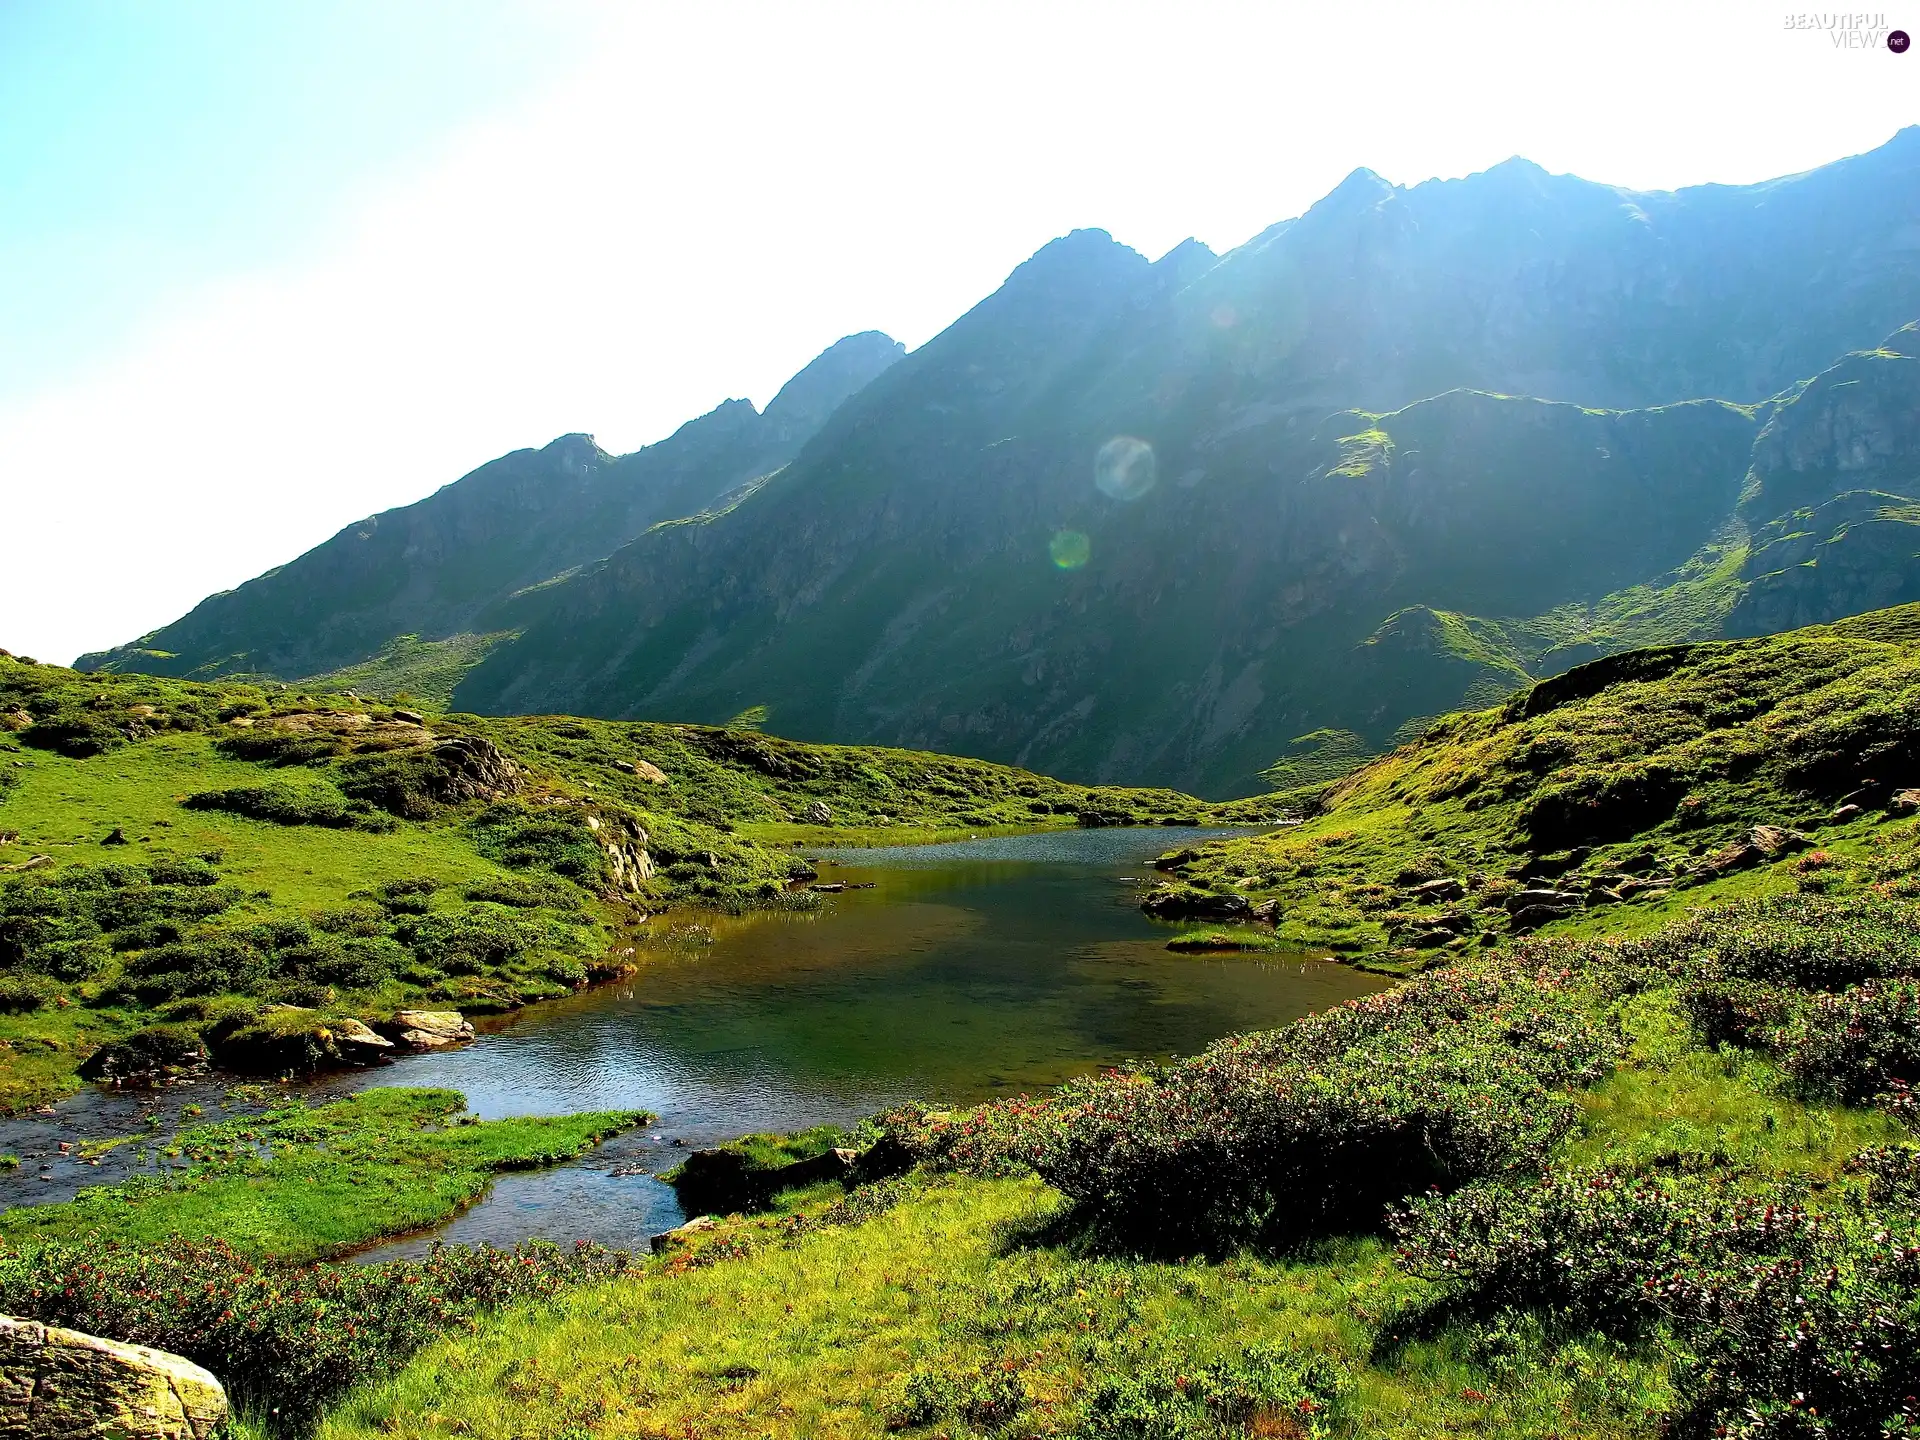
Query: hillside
point(411, 588)
point(1612, 797)
point(1183, 521)
point(189, 868)
point(1634, 1159)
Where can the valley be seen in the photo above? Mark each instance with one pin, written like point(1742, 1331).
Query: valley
point(1316, 841)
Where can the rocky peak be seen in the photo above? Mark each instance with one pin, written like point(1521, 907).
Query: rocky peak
point(839, 372)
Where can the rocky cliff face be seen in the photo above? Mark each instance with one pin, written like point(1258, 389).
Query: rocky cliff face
point(1837, 474)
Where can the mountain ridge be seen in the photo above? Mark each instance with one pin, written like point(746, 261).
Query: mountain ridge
point(1411, 445)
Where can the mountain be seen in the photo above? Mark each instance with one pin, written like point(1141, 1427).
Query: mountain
point(1191, 520)
point(1360, 513)
point(431, 570)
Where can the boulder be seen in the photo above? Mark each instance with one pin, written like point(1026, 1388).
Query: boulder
point(1842, 815)
point(1445, 888)
point(15, 720)
point(63, 1385)
point(649, 772)
point(427, 1029)
point(818, 814)
point(410, 717)
point(1776, 840)
point(1184, 902)
point(1267, 912)
point(147, 1057)
point(680, 1234)
point(1532, 917)
point(1904, 802)
point(725, 1181)
point(1540, 898)
point(293, 1040)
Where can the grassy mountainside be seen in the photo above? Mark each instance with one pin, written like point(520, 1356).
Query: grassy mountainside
point(419, 579)
point(190, 867)
point(1643, 1173)
point(1608, 796)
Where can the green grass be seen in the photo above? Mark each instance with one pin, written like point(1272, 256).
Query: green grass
point(301, 1183)
point(1675, 1104)
point(708, 817)
point(408, 668)
point(1641, 767)
point(831, 1333)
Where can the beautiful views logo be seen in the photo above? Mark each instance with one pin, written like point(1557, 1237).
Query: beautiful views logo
point(1851, 30)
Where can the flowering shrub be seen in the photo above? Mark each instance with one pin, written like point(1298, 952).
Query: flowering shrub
point(282, 1340)
point(1797, 1324)
point(1313, 1128)
point(1265, 1391)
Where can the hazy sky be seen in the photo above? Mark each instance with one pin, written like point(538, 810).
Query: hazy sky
point(268, 268)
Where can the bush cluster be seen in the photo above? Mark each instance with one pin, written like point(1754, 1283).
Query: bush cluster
point(1826, 986)
point(66, 924)
point(284, 804)
point(1794, 1323)
point(1277, 1137)
point(284, 1341)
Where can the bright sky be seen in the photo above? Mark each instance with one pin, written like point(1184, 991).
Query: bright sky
point(269, 268)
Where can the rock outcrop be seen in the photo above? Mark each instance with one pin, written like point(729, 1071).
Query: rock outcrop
point(427, 1029)
point(59, 1384)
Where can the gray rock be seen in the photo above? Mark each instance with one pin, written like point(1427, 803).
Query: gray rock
point(1183, 902)
point(680, 1234)
point(818, 814)
point(59, 1384)
point(428, 1029)
point(1445, 888)
point(1773, 840)
point(1551, 899)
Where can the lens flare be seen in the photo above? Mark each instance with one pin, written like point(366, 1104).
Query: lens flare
point(1070, 550)
point(1125, 468)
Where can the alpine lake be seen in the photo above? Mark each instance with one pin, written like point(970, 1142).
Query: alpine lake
point(948, 973)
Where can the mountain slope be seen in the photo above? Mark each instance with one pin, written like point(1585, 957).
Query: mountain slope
point(1610, 797)
point(1159, 521)
point(430, 570)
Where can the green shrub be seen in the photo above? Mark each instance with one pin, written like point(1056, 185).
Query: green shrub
point(19, 993)
point(284, 1341)
point(1266, 1391)
point(283, 804)
point(208, 965)
point(281, 747)
point(555, 840)
point(471, 942)
point(1795, 1324)
point(1309, 1130)
point(412, 784)
point(77, 734)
